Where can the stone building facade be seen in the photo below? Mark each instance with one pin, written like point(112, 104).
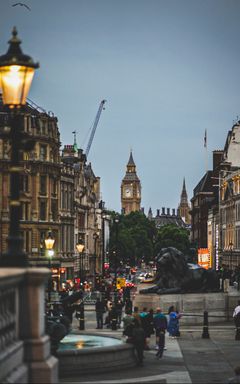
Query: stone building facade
point(58, 193)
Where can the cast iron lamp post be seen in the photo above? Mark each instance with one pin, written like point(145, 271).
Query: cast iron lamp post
point(95, 237)
point(116, 221)
point(16, 74)
point(80, 248)
point(49, 243)
point(231, 251)
point(103, 245)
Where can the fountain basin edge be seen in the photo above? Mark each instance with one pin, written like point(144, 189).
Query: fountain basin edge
point(95, 360)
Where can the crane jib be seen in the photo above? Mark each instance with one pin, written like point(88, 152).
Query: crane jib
point(101, 107)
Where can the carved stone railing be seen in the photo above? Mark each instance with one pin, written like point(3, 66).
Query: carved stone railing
point(24, 347)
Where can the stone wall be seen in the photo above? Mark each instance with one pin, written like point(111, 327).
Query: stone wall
point(192, 305)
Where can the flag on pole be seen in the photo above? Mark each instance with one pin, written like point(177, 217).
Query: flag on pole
point(205, 139)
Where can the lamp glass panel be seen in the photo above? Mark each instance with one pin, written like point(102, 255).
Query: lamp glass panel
point(15, 83)
point(80, 247)
point(49, 243)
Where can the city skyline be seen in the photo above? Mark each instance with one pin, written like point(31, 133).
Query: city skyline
point(168, 70)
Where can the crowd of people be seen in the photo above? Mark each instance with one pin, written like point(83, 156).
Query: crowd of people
point(138, 326)
point(228, 277)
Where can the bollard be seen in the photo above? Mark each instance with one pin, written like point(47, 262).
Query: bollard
point(237, 323)
point(205, 334)
point(114, 324)
point(81, 317)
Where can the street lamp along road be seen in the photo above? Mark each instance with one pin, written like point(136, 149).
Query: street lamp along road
point(231, 252)
point(16, 74)
point(80, 249)
point(116, 221)
point(95, 237)
point(49, 243)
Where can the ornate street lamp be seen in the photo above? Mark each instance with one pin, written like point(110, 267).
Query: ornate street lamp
point(95, 237)
point(16, 74)
point(231, 252)
point(80, 249)
point(49, 243)
point(116, 221)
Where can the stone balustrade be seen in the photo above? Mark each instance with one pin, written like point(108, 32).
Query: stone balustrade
point(24, 347)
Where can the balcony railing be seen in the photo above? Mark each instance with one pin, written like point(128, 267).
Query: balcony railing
point(24, 347)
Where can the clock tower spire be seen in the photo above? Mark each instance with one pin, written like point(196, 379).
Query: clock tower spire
point(130, 189)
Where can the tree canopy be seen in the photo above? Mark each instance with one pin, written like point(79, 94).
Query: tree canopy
point(135, 238)
point(172, 236)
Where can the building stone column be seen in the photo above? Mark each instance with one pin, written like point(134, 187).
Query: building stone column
point(43, 367)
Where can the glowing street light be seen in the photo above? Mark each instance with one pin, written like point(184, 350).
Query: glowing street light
point(16, 74)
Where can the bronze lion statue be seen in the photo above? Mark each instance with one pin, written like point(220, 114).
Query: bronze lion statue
point(176, 275)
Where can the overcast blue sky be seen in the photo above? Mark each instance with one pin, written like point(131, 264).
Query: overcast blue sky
point(169, 69)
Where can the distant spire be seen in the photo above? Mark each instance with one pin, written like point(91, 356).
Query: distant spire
point(150, 215)
point(184, 191)
point(131, 161)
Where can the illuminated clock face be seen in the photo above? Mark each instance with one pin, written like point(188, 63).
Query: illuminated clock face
point(128, 192)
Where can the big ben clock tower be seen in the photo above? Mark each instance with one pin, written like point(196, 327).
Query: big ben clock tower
point(130, 189)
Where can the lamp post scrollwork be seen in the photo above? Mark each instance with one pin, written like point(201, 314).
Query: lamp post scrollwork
point(16, 74)
point(49, 244)
point(80, 249)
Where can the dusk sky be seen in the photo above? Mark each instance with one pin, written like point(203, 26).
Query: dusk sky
point(169, 70)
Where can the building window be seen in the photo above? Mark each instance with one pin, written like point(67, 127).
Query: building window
point(237, 211)
point(54, 187)
point(43, 185)
point(81, 220)
point(54, 210)
point(43, 153)
point(62, 196)
point(24, 183)
point(237, 238)
point(25, 210)
point(43, 210)
point(44, 125)
point(26, 236)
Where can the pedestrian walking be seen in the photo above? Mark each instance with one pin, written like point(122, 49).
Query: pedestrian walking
point(128, 305)
point(146, 321)
point(160, 326)
point(100, 310)
point(138, 341)
point(136, 314)
point(113, 318)
point(128, 323)
point(119, 308)
point(173, 323)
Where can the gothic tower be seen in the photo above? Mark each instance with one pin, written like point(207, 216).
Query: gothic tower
point(130, 189)
point(184, 207)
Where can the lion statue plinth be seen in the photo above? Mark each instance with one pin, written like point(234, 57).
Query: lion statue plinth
point(176, 275)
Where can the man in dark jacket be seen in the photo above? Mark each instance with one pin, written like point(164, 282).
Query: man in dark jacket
point(138, 340)
point(160, 326)
point(100, 309)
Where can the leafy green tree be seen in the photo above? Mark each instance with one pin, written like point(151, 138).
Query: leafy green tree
point(133, 238)
point(172, 236)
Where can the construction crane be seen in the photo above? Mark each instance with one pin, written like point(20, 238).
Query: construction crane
point(101, 107)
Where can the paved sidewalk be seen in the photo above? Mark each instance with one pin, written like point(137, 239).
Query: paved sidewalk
point(189, 359)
